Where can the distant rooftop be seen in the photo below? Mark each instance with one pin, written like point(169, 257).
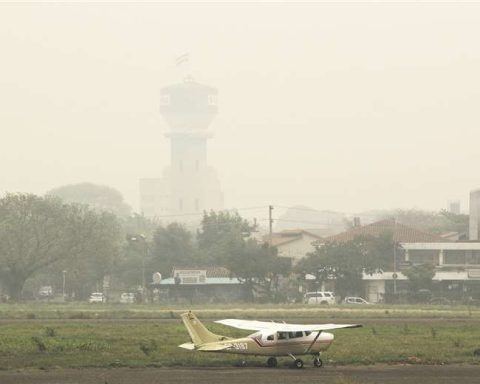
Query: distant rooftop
point(401, 233)
point(287, 236)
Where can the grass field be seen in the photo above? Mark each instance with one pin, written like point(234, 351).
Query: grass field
point(46, 336)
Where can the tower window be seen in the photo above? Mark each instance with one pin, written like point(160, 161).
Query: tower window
point(212, 99)
point(165, 100)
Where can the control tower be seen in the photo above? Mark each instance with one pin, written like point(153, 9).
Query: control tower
point(189, 185)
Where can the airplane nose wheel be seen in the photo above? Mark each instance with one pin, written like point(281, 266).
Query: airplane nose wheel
point(317, 362)
point(272, 362)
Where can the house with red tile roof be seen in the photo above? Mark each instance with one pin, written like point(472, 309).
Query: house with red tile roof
point(401, 233)
point(457, 263)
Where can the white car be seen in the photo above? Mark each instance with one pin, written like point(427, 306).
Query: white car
point(320, 297)
point(127, 298)
point(355, 300)
point(97, 297)
point(45, 291)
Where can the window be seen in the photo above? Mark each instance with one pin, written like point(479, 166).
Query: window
point(270, 337)
point(165, 100)
point(212, 99)
point(282, 335)
point(299, 334)
point(308, 333)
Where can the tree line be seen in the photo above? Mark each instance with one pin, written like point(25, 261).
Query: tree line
point(44, 240)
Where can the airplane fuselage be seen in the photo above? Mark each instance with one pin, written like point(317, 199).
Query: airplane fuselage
point(258, 344)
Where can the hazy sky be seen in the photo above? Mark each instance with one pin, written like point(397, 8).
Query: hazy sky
point(347, 106)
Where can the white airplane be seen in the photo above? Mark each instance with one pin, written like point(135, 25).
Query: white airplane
point(270, 339)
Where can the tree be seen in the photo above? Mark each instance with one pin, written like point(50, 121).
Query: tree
point(420, 276)
point(172, 247)
point(257, 265)
point(98, 197)
point(219, 232)
point(346, 262)
point(96, 258)
point(38, 232)
point(224, 240)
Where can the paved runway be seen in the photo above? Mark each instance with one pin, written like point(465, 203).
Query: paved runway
point(458, 374)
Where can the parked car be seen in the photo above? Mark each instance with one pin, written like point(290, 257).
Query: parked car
point(355, 300)
point(320, 297)
point(97, 297)
point(127, 298)
point(45, 292)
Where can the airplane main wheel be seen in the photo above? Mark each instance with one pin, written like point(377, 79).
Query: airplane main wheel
point(317, 362)
point(272, 362)
point(298, 363)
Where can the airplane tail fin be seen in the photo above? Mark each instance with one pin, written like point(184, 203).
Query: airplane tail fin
point(198, 333)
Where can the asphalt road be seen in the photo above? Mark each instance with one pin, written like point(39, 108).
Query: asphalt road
point(458, 374)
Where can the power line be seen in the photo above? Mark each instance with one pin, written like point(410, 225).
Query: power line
point(301, 221)
point(298, 208)
point(202, 213)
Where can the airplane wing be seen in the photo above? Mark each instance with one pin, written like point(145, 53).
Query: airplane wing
point(254, 325)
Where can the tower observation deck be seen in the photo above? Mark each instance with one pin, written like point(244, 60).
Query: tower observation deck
point(188, 185)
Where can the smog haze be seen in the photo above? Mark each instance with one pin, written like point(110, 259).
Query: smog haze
point(348, 106)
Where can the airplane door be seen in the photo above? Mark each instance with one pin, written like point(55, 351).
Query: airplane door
point(267, 339)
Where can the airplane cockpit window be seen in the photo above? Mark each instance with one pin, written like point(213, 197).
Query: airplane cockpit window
point(270, 337)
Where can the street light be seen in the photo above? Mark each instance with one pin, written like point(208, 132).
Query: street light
point(144, 256)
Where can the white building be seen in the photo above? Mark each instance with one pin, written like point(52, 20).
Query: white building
point(294, 244)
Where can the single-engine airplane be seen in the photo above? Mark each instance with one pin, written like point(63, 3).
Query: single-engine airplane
point(270, 339)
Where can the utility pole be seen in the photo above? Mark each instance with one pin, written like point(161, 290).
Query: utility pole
point(270, 223)
point(395, 258)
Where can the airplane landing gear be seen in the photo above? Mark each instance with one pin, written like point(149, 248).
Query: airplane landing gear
point(317, 362)
point(271, 362)
point(298, 363)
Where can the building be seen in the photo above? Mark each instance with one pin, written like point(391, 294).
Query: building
point(211, 285)
point(295, 244)
point(457, 263)
point(188, 185)
point(453, 206)
point(474, 209)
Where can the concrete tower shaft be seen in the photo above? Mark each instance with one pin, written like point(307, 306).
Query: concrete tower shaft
point(189, 108)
